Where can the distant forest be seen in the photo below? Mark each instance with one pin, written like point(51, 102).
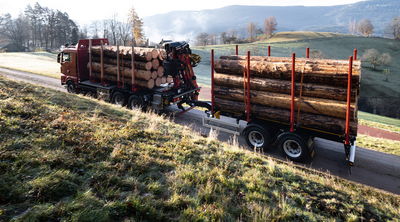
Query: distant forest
point(42, 28)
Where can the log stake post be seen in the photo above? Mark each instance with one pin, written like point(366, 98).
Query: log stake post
point(247, 88)
point(102, 63)
point(355, 54)
point(90, 59)
point(269, 51)
point(308, 53)
point(237, 50)
point(292, 91)
point(347, 129)
point(133, 69)
point(118, 71)
point(212, 82)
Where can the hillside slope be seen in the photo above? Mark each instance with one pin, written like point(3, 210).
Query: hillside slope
point(65, 157)
point(187, 24)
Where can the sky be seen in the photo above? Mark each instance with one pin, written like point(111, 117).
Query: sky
point(85, 11)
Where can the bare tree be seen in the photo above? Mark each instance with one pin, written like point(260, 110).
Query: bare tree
point(270, 26)
point(394, 28)
point(251, 30)
point(113, 23)
point(365, 27)
point(94, 29)
point(376, 59)
point(124, 32)
point(202, 39)
point(16, 31)
point(353, 26)
point(316, 54)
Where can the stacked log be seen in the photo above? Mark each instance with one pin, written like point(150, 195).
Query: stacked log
point(321, 90)
point(148, 70)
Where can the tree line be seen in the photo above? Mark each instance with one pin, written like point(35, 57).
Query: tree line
point(42, 28)
point(37, 27)
point(119, 31)
point(253, 32)
point(366, 28)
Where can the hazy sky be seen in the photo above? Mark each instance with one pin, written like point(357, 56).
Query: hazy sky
point(85, 11)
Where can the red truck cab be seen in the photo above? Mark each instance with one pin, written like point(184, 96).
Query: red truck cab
point(73, 60)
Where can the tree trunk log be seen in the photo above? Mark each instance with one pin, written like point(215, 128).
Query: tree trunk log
point(318, 106)
point(127, 80)
point(158, 81)
point(126, 63)
point(312, 72)
point(331, 62)
point(143, 54)
point(154, 74)
point(283, 86)
point(318, 122)
point(126, 72)
point(160, 71)
point(155, 63)
point(163, 80)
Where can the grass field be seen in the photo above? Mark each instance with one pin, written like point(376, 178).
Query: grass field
point(379, 144)
point(43, 63)
point(69, 158)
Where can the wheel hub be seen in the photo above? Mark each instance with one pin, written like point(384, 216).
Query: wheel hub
point(256, 139)
point(292, 148)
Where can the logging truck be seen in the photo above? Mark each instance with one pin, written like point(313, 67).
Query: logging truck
point(131, 76)
point(284, 101)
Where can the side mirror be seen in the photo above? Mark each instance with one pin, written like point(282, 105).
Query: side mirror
point(59, 57)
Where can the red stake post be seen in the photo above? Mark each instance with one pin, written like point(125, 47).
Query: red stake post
point(133, 68)
point(247, 82)
point(212, 82)
point(237, 50)
point(308, 53)
point(269, 51)
point(349, 77)
point(292, 91)
point(102, 63)
point(355, 54)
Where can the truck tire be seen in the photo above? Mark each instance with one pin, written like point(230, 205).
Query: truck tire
point(71, 88)
point(257, 136)
point(294, 147)
point(118, 98)
point(135, 102)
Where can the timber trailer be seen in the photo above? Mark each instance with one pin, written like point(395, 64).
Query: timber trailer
point(296, 141)
point(78, 77)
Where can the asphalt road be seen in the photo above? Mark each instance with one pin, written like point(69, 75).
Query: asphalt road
point(371, 168)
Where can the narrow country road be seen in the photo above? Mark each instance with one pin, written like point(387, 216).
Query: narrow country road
point(372, 168)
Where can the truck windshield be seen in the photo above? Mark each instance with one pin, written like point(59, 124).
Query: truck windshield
point(66, 57)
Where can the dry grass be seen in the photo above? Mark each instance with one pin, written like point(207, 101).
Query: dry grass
point(379, 144)
point(42, 63)
point(69, 158)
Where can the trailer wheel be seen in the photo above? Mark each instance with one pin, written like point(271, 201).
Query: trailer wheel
point(135, 102)
point(118, 98)
point(294, 147)
point(257, 136)
point(71, 88)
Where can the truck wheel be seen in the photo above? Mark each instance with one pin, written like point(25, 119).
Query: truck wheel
point(257, 136)
point(71, 88)
point(118, 98)
point(294, 147)
point(135, 102)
